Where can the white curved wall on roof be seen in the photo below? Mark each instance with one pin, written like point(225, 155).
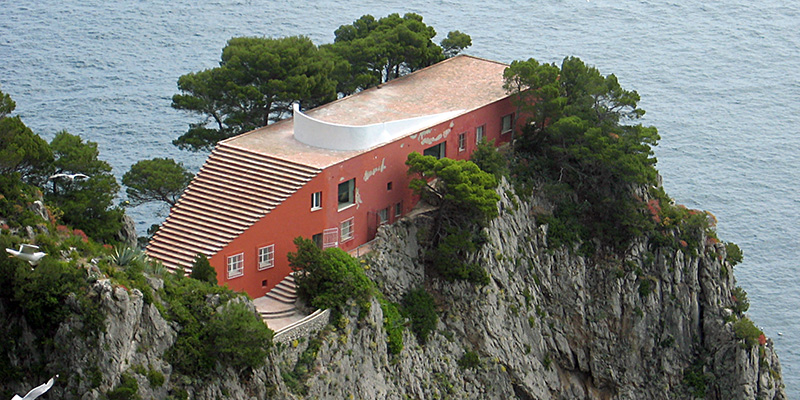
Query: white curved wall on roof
point(326, 135)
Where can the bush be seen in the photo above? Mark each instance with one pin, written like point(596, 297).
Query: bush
point(127, 389)
point(329, 278)
point(448, 257)
point(744, 329)
point(393, 324)
point(42, 293)
point(696, 380)
point(740, 302)
point(419, 307)
point(202, 270)
point(238, 337)
point(734, 253)
point(470, 360)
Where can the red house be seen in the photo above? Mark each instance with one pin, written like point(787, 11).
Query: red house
point(333, 174)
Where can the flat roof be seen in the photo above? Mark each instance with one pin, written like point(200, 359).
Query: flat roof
point(458, 83)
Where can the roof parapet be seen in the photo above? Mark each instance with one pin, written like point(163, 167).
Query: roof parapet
point(326, 135)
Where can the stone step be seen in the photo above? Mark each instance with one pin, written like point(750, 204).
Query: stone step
point(285, 290)
point(278, 314)
point(281, 298)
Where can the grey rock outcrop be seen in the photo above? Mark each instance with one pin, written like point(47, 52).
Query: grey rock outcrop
point(550, 325)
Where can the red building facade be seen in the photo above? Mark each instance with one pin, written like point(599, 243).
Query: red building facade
point(333, 174)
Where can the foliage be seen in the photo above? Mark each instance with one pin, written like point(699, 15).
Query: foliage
point(377, 51)
point(22, 151)
point(42, 292)
point(488, 159)
point(740, 302)
point(7, 105)
point(744, 329)
point(296, 378)
point(127, 389)
point(467, 201)
point(155, 378)
point(697, 380)
point(15, 196)
point(257, 81)
point(734, 253)
point(159, 179)
point(238, 337)
point(393, 324)
point(470, 360)
point(202, 270)
point(419, 307)
point(579, 135)
point(327, 279)
point(207, 336)
point(124, 255)
point(455, 43)
point(86, 203)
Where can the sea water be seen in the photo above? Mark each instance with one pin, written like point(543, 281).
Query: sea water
point(721, 81)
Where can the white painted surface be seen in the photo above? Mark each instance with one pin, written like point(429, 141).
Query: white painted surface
point(326, 135)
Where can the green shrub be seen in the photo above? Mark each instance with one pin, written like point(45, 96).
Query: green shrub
point(202, 270)
point(296, 378)
point(740, 302)
point(734, 253)
point(646, 286)
point(744, 329)
point(696, 380)
point(155, 377)
point(470, 360)
point(419, 307)
point(329, 278)
point(393, 324)
point(42, 293)
point(448, 257)
point(238, 337)
point(127, 389)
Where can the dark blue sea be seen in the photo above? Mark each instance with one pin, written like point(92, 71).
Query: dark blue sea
point(720, 79)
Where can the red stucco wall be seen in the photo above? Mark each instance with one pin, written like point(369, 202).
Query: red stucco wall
point(372, 172)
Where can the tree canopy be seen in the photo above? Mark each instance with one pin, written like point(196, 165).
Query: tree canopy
point(257, 81)
point(467, 201)
point(159, 179)
point(259, 78)
point(581, 135)
point(21, 150)
point(328, 278)
point(86, 203)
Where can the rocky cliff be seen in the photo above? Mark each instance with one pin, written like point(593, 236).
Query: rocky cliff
point(657, 323)
point(551, 325)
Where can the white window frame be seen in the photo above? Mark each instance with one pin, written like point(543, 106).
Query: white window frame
point(479, 132)
point(506, 123)
point(440, 149)
point(346, 227)
point(351, 194)
point(235, 265)
point(462, 141)
point(316, 201)
point(383, 216)
point(266, 257)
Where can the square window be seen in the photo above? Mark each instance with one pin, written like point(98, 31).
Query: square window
point(346, 193)
point(383, 216)
point(398, 209)
point(505, 125)
point(316, 201)
point(347, 229)
point(462, 142)
point(236, 266)
point(479, 134)
point(264, 283)
point(436, 151)
point(389, 186)
point(266, 257)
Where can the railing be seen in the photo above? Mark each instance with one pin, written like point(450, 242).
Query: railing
point(301, 328)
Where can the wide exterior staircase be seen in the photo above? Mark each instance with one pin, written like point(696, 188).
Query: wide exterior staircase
point(278, 307)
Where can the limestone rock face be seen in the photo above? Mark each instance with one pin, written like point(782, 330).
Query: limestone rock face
point(549, 325)
point(127, 234)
